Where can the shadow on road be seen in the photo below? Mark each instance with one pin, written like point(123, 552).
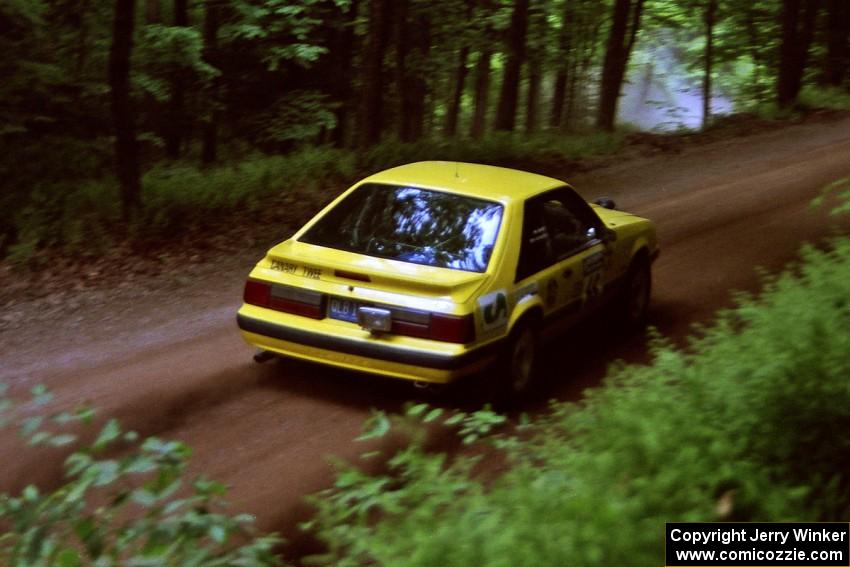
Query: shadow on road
point(572, 363)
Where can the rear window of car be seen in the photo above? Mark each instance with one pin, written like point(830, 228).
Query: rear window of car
point(421, 226)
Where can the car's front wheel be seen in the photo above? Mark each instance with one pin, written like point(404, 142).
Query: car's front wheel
point(634, 303)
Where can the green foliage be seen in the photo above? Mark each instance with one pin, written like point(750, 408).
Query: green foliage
point(841, 190)
point(745, 43)
point(298, 117)
point(415, 485)
point(283, 26)
point(751, 422)
point(124, 501)
point(175, 194)
point(76, 217)
point(496, 149)
point(165, 52)
point(83, 217)
point(824, 97)
point(771, 111)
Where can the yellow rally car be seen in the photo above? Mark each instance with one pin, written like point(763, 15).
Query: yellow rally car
point(436, 270)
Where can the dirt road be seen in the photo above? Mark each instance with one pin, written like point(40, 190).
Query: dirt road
point(172, 364)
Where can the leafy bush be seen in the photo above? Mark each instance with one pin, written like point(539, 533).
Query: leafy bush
point(751, 422)
point(83, 217)
point(124, 502)
point(32, 171)
point(839, 189)
point(824, 97)
point(496, 149)
point(771, 111)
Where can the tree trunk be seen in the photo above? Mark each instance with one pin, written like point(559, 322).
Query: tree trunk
point(461, 71)
point(453, 111)
point(533, 99)
point(419, 86)
point(586, 45)
point(412, 44)
point(559, 93)
point(209, 139)
point(559, 90)
point(153, 12)
point(797, 33)
point(482, 94)
point(621, 40)
point(837, 43)
point(572, 94)
point(82, 47)
point(126, 158)
point(152, 118)
point(710, 17)
point(176, 120)
point(343, 48)
point(371, 106)
point(515, 47)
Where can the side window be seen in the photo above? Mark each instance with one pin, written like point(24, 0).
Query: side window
point(566, 229)
point(555, 226)
point(569, 218)
point(536, 251)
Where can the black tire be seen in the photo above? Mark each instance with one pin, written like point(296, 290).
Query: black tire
point(517, 369)
point(634, 300)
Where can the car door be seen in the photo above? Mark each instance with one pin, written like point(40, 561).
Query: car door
point(562, 255)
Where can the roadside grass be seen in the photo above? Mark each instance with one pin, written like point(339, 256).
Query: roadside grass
point(750, 422)
point(496, 149)
point(831, 98)
point(178, 196)
point(811, 98)
point(82, 218)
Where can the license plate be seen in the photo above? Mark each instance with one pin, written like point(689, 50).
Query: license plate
point(343, 309)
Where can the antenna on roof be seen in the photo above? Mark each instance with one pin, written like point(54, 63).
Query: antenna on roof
point(457, 175)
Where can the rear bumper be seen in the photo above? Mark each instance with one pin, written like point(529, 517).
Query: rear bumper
point(373, 356)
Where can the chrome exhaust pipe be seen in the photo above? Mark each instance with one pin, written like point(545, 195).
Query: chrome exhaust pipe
point(428, 386)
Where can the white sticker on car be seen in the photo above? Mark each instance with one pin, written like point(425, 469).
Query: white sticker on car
point(494, 310)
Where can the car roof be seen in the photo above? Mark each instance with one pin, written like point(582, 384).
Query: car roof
point(474, 179)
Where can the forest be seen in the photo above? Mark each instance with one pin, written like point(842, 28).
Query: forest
point(137, 117)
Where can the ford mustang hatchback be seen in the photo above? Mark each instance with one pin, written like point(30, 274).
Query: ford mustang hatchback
point(436, 270)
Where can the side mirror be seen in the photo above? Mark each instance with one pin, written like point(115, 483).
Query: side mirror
point(606, 203)
point(591, 233)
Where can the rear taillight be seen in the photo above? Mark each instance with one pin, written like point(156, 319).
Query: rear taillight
point(411, 329)
point(452, 328)
point(284, 298)
point(257, 293)
point(434, 326)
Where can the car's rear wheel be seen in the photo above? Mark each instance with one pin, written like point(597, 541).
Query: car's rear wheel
point(634, 303)
point(516, 372)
